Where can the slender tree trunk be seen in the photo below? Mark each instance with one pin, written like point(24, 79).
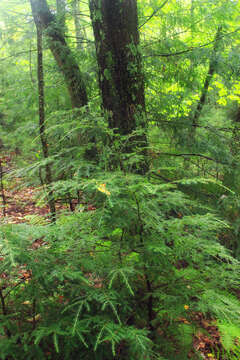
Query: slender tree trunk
point(231, 180)
point(211, 71)
point(61, 14)
point(235, 145)
point(192, 16)
point(231, 174)
point(4, 202)
point(30, 65)
point(61, 53)
point(79, 30)
point(115, 26)
point(48, 178)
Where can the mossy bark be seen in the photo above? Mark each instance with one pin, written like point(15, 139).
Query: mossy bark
point(61, 53)
point(115, 26)
point(120, 73)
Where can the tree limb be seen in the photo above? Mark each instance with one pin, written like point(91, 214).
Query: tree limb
point(153, 14)
point(192, 48)
point(194, 154)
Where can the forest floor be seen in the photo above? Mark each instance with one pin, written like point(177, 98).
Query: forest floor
point(22, 204)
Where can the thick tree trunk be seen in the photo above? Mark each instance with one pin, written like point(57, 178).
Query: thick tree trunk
point(61, 52)
point(115, 26)
point(120, 73)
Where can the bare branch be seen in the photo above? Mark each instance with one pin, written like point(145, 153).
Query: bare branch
point(192, 48)
point(153, 14)
point(193, 154)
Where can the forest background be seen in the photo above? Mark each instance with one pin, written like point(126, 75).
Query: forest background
point(124, 117)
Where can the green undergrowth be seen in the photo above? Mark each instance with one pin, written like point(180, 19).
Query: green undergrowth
point(115, 282)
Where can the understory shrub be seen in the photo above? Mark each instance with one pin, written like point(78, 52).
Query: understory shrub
point(119, 280)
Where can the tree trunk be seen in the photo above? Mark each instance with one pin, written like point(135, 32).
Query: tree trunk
point(79, 30)
point(48, 177)
point(61, 14)
point(61, 53)
point(231, 174)
point(120, 73)
point(115, 26)
point(211, 71)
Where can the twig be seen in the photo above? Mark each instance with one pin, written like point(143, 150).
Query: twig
point(161, 177)
point(153, 14)
point(34, 314)
point(193, 154)
point(2, 189)
point(14, 287)
point(4, 311)
point(192, 48)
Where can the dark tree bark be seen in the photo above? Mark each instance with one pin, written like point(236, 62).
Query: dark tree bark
point(231, 174)
point(4, 201)
point(120, 74)
point(211, 71)
point(48, 177)
point(61, 52)
point(235, 144)
point(115, 26)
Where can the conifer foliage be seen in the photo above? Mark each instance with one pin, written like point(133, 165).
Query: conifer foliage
point(141, 261)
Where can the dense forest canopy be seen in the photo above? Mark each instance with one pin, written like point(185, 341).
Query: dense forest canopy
point(119, 179)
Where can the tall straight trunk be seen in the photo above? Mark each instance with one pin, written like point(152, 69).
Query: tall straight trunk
point(4, 201)
point(192, 17)
point(61, 53)
point(231, 175)
point(48, 177)
point(61, 14)
point(115, 26)
point(79, 29)
point(235, 145)
point(210, 73)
